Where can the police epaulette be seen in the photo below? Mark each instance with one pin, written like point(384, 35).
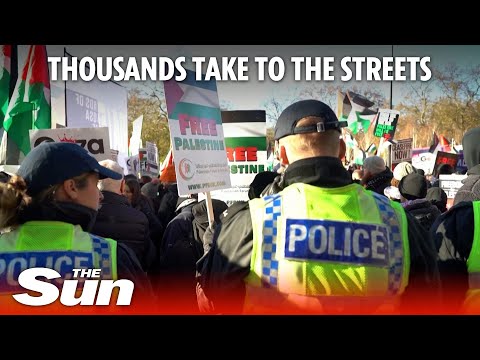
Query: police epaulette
point(232, 210)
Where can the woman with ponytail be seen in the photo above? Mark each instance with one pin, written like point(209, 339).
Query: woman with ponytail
point(46, 213)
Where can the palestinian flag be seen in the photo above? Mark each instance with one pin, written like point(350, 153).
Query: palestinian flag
point(439, 143)
point(5, 58)
point(356, 111)
point(29, 107)
point(245, 129)
point(372, 149)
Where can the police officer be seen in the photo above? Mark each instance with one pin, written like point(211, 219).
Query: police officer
point(322, 244)
point(49, 209)
point(457, 236)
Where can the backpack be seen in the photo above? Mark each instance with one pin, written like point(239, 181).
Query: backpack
point(180, 253)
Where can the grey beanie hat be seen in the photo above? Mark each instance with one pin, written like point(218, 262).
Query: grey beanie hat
point(374, 164)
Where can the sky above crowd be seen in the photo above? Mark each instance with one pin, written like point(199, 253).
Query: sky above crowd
point(253, 94)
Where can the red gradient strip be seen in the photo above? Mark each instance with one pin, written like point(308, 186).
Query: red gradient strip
point(176, 303)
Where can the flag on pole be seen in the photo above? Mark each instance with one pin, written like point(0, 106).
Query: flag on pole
point(5, 70)
point(444, 143)
point(372, 149)
point(356, 110)
point(440, 143)
point(135, 141)
point(350, 142)
point(29, 107)
point(434, 143)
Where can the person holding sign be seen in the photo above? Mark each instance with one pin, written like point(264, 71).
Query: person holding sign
point(322, 244)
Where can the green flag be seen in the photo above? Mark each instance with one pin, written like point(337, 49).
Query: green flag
point(29, 107)
point(356, 111)
point(5, 58)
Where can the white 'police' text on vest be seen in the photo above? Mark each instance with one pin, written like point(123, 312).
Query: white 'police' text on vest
point(337, 241)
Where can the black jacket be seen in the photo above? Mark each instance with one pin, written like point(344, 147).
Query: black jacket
point(380, 181)
point(453, 238)
point(145, 205)
point(424, 211)
point(168, 205)
point(117, 220)
point(179, 230)
point(227, 263)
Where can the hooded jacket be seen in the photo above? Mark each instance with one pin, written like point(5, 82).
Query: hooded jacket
point(470, 191)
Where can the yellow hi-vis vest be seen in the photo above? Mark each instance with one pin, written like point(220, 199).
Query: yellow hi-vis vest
point(472, 300)
point(318, 250)
point(55, 245)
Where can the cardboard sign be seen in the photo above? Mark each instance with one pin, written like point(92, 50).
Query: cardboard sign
point(196, 133)
point(246, 142)
point(451, 183)
point(445, 158)
point(152, 159)
point(95, 140)
point(386, 123)
point(401, 151)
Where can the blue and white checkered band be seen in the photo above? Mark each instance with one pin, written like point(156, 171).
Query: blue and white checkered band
point(273, 205)
point(101, 247)
point(389, 218)
point(337, 241)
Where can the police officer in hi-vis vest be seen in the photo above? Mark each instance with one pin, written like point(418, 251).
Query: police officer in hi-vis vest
point(47, 212)
point(323, 244)
point(456, 234)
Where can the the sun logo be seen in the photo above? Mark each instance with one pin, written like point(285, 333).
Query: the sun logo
point(186, 169)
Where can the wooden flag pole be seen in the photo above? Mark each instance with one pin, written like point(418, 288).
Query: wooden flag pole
point(209, 209)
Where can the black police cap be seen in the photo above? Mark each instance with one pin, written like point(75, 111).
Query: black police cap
point(288, 119)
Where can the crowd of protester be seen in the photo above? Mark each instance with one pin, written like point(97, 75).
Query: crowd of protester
point(166, 244)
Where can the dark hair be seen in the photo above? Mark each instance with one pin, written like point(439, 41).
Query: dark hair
point(4, 177)
point(146, 179)
point(444, 169)
point(134, 187)
point(130, 177)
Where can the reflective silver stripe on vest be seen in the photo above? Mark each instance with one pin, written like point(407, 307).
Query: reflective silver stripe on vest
point(269, 246)
point(389, 218)
point(101, 247)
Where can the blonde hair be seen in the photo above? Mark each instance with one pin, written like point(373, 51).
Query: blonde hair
point(13, 199)
point(301, 146)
